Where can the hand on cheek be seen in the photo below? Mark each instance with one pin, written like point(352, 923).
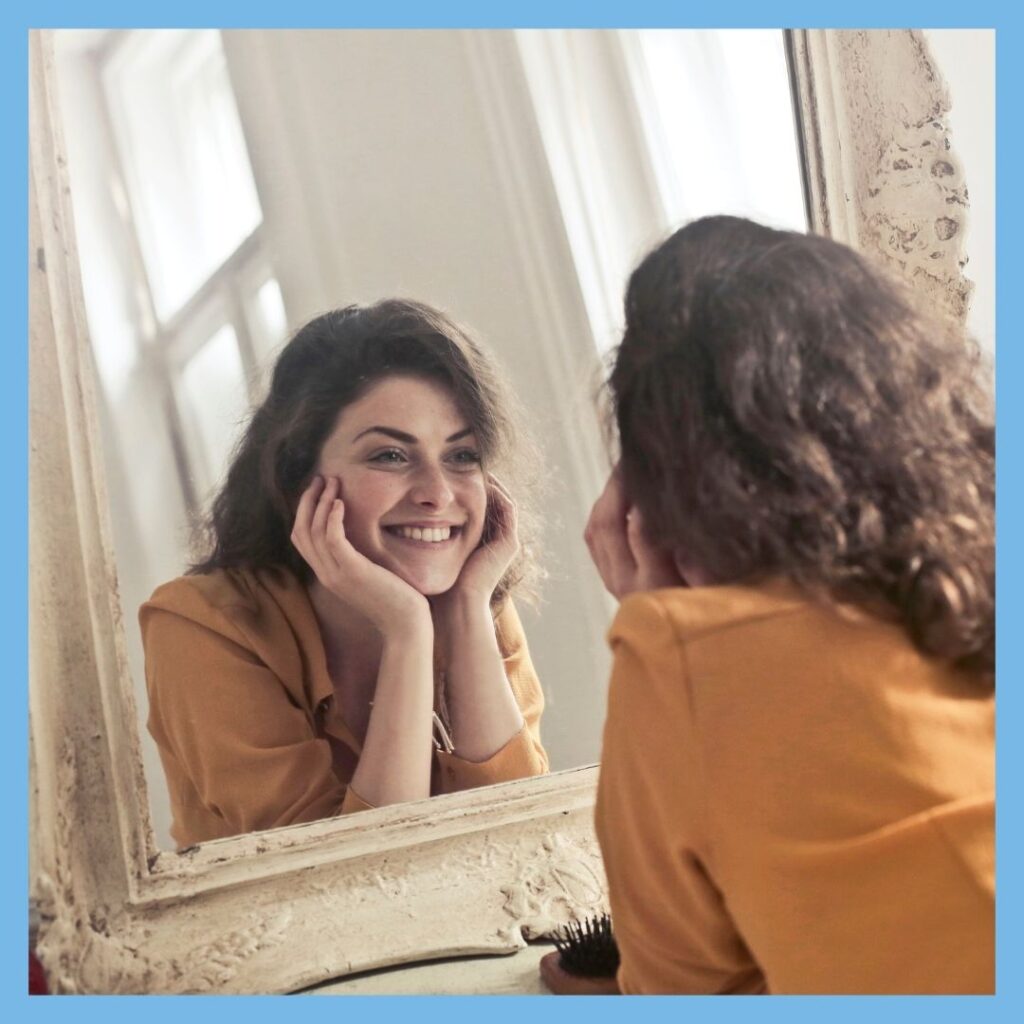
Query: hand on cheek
point(615, 537)
point(484, 568)
point(373, 591)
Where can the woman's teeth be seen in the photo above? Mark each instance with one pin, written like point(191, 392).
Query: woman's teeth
point(434, 534)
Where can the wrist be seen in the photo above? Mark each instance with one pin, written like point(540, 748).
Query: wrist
point(460, 609)
point(415, 623)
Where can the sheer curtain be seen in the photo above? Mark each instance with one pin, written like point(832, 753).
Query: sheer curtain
point(647, 129)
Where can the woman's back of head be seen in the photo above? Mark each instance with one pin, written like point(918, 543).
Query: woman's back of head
point(784, 408)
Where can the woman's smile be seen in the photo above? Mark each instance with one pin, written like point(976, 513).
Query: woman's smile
point(425, 535)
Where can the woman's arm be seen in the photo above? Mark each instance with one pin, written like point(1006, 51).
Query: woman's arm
point(487, 713)
point(483, 709)
point(394, 765)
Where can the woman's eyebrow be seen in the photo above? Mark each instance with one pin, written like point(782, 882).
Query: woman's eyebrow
point(401, 435)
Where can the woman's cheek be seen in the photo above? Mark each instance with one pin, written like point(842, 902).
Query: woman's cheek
point(364, 507)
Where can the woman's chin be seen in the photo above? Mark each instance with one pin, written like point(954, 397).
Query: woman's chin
point(430, 585)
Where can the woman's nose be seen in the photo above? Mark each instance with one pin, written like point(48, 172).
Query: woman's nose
point(430, 488)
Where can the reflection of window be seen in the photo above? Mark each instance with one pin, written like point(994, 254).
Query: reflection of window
point(182, 299)
point(183, 158)
point(208, 307)
point(215, 369)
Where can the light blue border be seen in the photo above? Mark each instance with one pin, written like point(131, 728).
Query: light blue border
point(526, 13)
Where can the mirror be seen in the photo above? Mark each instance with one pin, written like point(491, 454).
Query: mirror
point(470, 873)
point(228, 186)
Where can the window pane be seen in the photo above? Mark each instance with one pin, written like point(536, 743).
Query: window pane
point(721, 130)
point(214, 393)
point(185, 162)
point(271, 306)
point(268, 326)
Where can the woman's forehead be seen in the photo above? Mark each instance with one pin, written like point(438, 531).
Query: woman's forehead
point(418, 406)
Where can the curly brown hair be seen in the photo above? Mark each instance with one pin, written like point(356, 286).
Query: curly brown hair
point(328, 364)
point(784, 408)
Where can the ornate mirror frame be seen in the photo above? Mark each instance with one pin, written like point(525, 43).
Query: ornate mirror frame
point(474, 872)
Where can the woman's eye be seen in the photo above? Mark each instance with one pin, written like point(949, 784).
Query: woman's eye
point(390, 456)
point(465, 457)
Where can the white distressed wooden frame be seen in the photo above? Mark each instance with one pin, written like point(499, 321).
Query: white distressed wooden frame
point(467, 873)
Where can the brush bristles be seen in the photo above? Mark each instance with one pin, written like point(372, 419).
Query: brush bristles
point(588, 948)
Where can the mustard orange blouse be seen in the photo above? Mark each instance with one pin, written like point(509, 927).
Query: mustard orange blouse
point(242, 708)
point(793, 799)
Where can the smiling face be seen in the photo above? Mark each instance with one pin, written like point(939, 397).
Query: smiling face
point(414, 490)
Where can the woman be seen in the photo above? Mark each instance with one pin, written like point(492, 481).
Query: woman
point(796, 789)
point(349, 641)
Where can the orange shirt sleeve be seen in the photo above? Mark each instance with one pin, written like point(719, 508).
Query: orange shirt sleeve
point(229, 734)
point(671, 923)
point(524, 755)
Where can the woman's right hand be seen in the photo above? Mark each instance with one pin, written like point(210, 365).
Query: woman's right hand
point(318, 534)
point(625, 559)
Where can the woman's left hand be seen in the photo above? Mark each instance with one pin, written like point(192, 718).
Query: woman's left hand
point(624, 557)
point(489, 562)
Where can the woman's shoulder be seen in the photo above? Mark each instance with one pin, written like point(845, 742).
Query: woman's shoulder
point(226, 593)
point(263, 615)
point(778, 632)
point(771, 621)
point(693, 612)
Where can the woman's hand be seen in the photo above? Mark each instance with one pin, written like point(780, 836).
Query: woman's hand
point(624, 557)
point(489, 562)
point(380, 596)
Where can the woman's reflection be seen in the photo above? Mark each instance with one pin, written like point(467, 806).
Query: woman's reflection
point(350, 641)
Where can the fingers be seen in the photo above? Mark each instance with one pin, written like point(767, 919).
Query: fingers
point(303, 517)
point(607, 541)
point(326, 550)
point(318, 533)
point(638, 544)
point(318, 526)
point(655, 568)
point(503, 511)
point(334, 531)
point(621, 548)
point(645, 557)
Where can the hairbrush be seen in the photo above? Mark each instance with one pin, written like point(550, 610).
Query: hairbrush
point(587, 949)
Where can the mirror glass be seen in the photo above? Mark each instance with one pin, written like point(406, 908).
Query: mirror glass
point(228, 186)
